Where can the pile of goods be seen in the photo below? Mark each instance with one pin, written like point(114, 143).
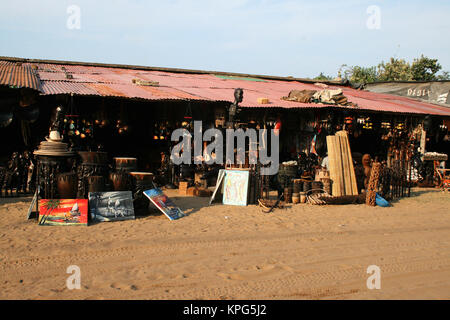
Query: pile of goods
point(196, 190)
point(326, 199)
point(325, 96)
point(304, 96)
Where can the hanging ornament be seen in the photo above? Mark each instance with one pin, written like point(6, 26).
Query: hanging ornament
point(368, 125)
point(385, 125)
point(277, 127)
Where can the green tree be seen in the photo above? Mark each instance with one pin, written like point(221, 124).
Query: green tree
point(357, 74)
point(363, 74)
point(425, 69)
point(394, 70)
point(421, 69)
point(444, 76)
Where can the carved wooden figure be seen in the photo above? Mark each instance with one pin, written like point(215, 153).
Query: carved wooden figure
point(367, 164)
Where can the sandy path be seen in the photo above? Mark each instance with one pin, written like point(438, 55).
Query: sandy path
point(226, 252)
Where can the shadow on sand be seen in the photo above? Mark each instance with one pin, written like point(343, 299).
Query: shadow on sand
point(9, 200)
point(416, 192)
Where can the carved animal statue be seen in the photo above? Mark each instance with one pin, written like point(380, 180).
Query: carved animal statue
point(11, 179)
point(367, 164)
point(30, 173)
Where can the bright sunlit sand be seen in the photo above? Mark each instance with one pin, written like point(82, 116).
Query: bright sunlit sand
point(225, 252)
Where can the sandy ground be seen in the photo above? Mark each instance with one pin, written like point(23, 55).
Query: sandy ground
point(226, 252)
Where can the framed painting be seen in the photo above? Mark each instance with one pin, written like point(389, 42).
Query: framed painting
point(220, 177)
point(111, 206)
point(63, 212)
point(235, 188)
point(34, 204)
point(164, 204)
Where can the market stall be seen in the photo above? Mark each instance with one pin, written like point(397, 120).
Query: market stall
point(104, 129)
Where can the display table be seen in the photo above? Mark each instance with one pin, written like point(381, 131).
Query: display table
point(53, 158)
point(48, 168)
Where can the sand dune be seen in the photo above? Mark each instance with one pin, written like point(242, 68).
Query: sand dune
point(227, 252)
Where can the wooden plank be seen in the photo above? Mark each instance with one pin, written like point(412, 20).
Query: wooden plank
point(350, 165)
point(345, 166)
point(337, 168)
point(340, 165)
point(352, 170)
point(423, 141)
point(354, 184)
point(345, 163)
point(334, 165)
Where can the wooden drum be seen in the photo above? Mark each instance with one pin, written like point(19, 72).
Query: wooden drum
point(96, 184)
point(120, 181)
point(67, 184)
point(142, 180)
point(124, 164)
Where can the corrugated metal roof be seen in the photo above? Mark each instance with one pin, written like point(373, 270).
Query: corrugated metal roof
point(18, 75)
point(60, 87)
point(392, 103)
point(118, 82)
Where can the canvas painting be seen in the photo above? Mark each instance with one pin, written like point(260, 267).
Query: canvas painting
point(163, 203)
point(63, 212)
point(220, 177)
point(33, 204)
point(111, 206)
point(235, 187)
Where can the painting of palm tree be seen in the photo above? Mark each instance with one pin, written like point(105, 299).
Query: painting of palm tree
point(63, 212)
point(51, 205)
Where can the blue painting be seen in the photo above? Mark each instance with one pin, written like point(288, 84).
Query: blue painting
point(163, 203)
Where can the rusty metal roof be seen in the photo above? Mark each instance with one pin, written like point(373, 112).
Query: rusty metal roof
point(101, 80)
point(19, 75)
point(61, 87)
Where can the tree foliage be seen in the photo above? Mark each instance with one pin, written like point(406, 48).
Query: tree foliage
point(421, 69)
point(444, 76)
point(394, 70)
point(357, 74)
point(362, 74)
point(425, 69)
